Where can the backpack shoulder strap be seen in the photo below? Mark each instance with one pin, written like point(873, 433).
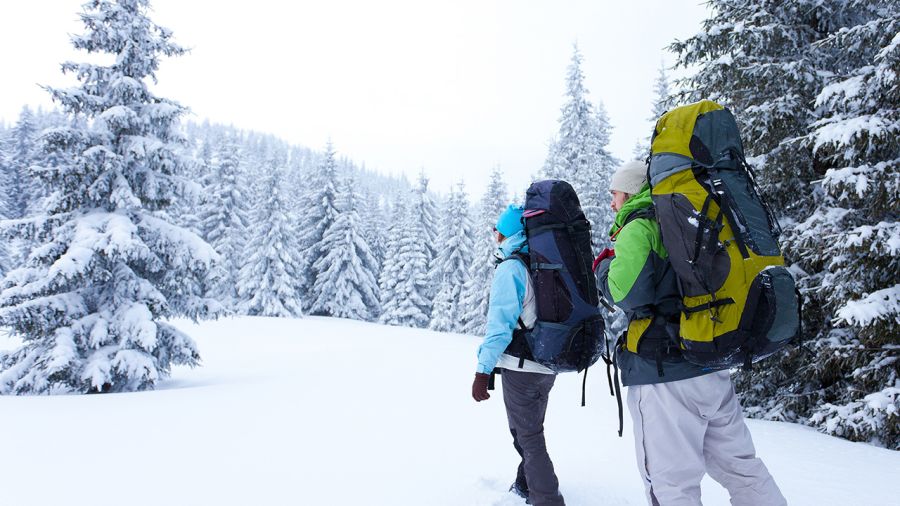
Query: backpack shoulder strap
point(648, 213)
point(525, 258)
point(526, 261)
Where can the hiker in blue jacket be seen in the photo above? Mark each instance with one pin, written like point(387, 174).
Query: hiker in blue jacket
point(526, 384)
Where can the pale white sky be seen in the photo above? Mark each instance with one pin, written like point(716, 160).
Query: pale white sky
point(456, 87)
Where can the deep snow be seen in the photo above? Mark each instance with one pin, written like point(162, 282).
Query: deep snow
point(321, 411)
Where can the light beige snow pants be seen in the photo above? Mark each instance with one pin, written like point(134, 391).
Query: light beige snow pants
point(683, 429)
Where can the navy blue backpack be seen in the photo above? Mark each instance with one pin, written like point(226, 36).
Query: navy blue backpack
point(569, 332)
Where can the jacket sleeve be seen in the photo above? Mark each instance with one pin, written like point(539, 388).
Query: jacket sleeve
point(504, 308)
point(627, 280)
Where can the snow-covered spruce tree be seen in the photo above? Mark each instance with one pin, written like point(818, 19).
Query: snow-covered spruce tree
point(297, 178)
point(850, 244)
point(6, 260)
point(579, 155)
point(374, 226)
point(662, 102)
point(390, 265)
point(408, 304)
point(477, 291)
point(270, 279)
point(21, 190)
point(257, 155)
point(318, 212)
point(576, 143)
point(424, 206)
point(346, 285)
point(451, 266)
point(758, 59)
point(35, 191)
point(595, 196)
point(21, 154)
point(90, 303)
point(224, 219)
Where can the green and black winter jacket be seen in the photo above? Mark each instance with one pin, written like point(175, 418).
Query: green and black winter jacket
point(640, 280)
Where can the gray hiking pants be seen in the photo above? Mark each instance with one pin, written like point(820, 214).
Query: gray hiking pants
point(683, 429)
point(525, 396)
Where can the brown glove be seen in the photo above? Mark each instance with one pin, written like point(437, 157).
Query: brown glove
point(480, 386)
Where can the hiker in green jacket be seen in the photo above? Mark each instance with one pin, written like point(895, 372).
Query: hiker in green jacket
point(687, 420)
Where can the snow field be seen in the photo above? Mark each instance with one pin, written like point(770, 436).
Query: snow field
point(321, 411)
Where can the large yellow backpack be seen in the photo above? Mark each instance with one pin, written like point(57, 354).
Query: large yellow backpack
point(739, 301)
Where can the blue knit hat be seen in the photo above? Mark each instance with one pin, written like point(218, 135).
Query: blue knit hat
point(510, 221)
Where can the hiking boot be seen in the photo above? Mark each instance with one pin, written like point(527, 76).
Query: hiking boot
point(517, 489)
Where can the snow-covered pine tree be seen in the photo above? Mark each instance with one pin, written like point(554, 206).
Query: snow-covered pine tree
point(424, 206)
point(553, 164)
point(270, 279)
point(391, 264)
point(35, 191)
point(407, 302)
point(850, 244)
point(576, 144)
point(6, 259)
point(579, 155)
point(298, 175)
point(641, 150)
point(759, 60)
point(374, 226)
point(451, 266)
point(662, 102)
point(318, 212)
point(92, 300)
point(595, 196)
point(21, 155)
point(186, 210)
point(346, 285)
point(662, 95)
point(477, 292)
point(224, 219)
point(256, 157)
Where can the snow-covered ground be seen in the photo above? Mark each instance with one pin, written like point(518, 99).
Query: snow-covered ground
point(321, 411)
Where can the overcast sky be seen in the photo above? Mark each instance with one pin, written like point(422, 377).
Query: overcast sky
point(454, 87)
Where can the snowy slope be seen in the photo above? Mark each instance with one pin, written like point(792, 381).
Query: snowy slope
point(334, 412)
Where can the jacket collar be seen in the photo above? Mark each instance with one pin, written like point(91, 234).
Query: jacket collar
point(636, 202)
point(512, 244)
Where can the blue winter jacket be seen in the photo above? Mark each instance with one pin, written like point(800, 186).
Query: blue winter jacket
point(505, 306)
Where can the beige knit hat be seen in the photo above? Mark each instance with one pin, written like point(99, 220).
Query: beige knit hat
point(629, 178)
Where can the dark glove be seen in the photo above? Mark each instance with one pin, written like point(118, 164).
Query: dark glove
point(480, 386)
point(606, 253)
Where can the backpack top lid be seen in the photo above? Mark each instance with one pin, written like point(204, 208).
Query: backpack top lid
point(553, 196)
point(703, 133)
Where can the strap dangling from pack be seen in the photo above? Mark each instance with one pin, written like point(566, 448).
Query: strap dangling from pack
point(609, 363)
point(613, 379)
point(584, 386)
point(618, 394)
point(490, 385)
point(609, 381)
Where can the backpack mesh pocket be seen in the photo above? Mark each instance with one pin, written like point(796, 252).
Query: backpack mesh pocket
point(553, 301)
